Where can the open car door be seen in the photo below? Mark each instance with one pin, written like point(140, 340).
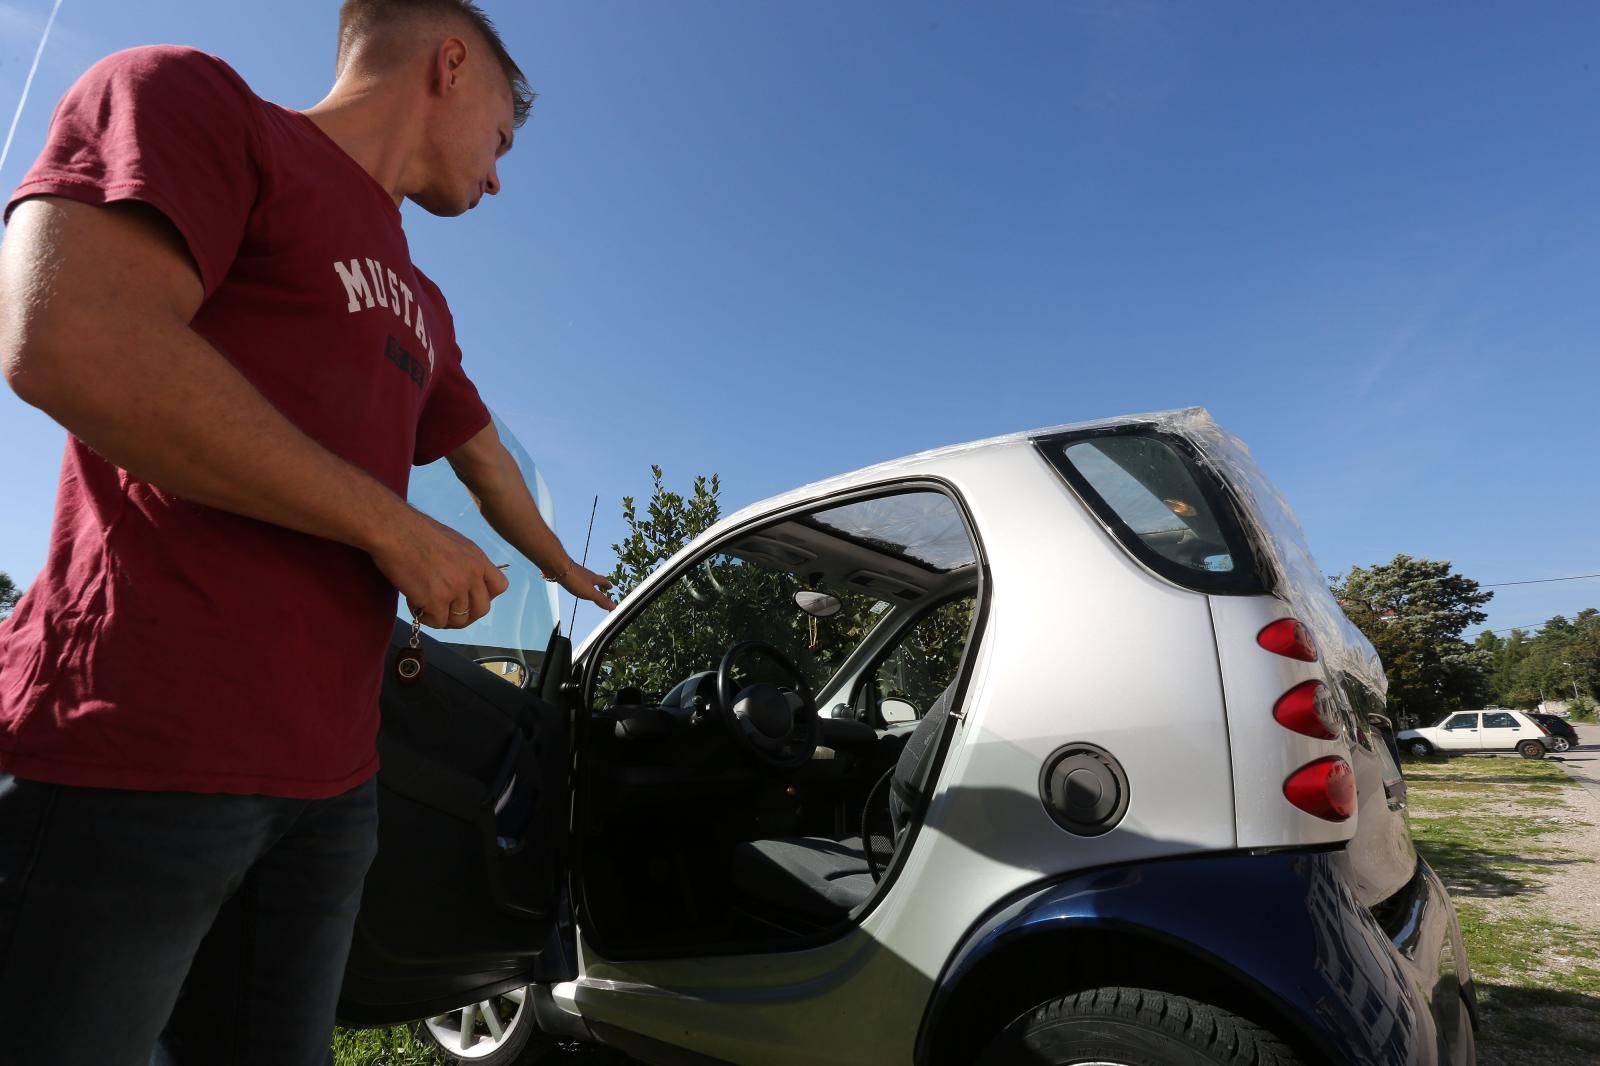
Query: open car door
point(463, 898)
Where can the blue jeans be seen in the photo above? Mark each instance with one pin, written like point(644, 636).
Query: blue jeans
point(165, 928)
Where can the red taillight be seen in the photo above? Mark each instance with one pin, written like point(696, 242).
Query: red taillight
point(1308, 710)
point(1290, 639)
point(1325, 788)
point(1542, 727)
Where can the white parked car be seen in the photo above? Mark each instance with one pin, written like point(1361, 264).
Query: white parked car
point(1495, 729)
point(1048, 748)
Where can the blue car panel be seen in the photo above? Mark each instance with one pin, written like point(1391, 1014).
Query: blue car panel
point(1385, 986)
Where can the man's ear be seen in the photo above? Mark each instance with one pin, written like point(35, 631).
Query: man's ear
point(448, 61)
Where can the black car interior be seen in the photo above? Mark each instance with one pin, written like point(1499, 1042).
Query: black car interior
point(730, 809)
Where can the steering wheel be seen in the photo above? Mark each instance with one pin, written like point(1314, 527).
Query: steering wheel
point(775, 725)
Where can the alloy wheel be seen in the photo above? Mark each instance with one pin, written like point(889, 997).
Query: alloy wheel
point(480, 1029)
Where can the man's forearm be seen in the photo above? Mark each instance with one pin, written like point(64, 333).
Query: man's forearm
point(95, 306)
point(94, 330)
point(496, 482)
point(172, 411)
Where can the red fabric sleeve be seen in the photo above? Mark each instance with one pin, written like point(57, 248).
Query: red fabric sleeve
point(453, 413)
point(170, 127)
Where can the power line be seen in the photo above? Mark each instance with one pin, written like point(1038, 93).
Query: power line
point(1535, 626)
point(1494, 584)
point(1536, 581)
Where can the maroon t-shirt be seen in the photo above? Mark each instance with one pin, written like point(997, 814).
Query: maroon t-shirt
point(173, 646)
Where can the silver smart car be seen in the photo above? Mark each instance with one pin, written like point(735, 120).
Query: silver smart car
point(1051, 748)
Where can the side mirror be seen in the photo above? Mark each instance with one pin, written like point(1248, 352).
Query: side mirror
point(896, 710)
point(507, 667)
point(818, 604)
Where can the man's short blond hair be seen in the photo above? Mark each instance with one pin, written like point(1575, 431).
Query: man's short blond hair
point(363, 25)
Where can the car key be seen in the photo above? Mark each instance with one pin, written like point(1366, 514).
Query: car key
point(408, 665)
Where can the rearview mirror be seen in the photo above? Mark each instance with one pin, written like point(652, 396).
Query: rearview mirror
point(818, 604)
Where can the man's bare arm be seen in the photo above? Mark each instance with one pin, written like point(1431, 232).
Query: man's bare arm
point(95, 306)
point(491, 474)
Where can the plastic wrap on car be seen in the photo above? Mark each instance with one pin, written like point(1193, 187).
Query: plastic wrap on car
point(1281, 543)
point(1277, 537)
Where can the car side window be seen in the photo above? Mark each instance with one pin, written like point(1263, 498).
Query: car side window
point(1462, 721)
point(923, 662)
point(1499, 721)
point(813, 585)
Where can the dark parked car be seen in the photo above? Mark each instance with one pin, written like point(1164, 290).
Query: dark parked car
point(1561, 731)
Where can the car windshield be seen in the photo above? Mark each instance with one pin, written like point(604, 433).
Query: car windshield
point(512, 636)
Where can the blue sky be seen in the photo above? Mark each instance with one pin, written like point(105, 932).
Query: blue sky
point(779, 241)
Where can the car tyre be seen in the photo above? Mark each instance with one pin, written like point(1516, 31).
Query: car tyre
point(1531, 749)
point(1419, 747)
point(1134, 1027)
point(1561, 744)
point(519, 1041)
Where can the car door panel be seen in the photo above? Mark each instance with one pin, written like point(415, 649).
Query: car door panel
point(461, 898)
point(1501, 731)
point(1460, 732)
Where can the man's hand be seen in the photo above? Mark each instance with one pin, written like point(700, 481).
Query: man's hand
point(587, 585)
point(446, 579)
point(495, 480)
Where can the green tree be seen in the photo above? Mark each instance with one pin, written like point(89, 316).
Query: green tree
point(9, 594)
point(671, 520)
point(1414, 612)
point(1507, 687)
point(1562, 661)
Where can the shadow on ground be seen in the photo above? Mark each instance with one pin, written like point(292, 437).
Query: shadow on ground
point(1564, 1026)
point(1474, 871)
point(1486, 779)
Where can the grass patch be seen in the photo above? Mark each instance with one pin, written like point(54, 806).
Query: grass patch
point(1464, 772)
point(1502, 947)
point(382, 1047)
point(1538, 979)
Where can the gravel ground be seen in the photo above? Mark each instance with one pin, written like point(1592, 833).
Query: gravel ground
point(1573, 894)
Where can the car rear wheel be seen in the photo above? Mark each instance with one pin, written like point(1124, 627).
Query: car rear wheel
point(1134, 1027)
point(1419, 747)
point(1560, 744)
point(500, 1031)
point(1531, 749)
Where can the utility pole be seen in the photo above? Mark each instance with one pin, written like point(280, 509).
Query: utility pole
point(1573, 677)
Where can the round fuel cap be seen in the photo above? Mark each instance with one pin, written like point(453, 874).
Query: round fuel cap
point(1084, 789)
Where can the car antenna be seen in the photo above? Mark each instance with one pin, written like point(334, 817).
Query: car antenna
point(592, 508)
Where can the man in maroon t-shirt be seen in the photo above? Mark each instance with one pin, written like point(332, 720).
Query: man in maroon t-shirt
point(214, 295)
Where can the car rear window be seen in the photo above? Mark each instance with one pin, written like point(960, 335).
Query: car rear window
point(1500, 720)
point(1161, 504)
